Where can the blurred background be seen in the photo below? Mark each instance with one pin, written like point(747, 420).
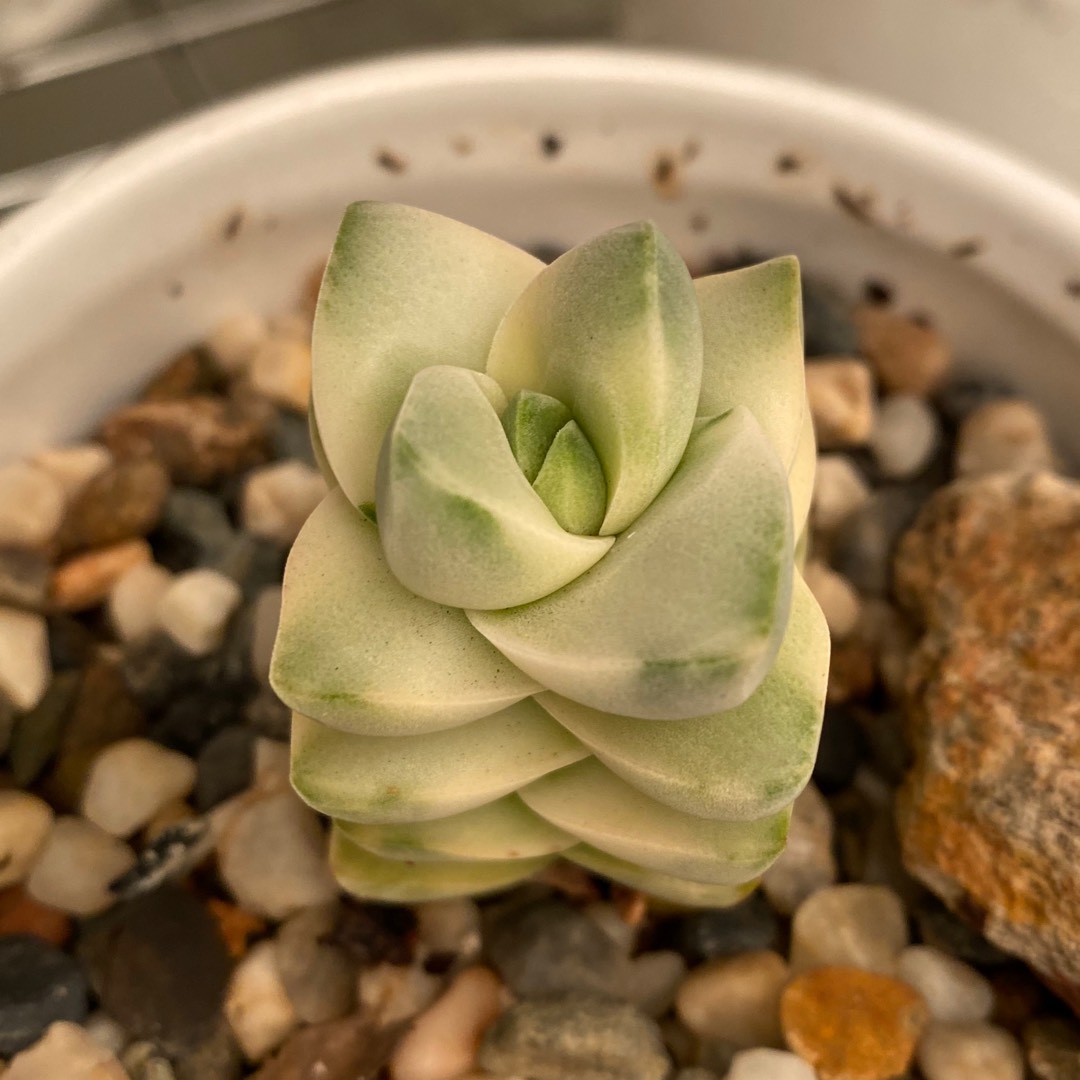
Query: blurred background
point(79, 76)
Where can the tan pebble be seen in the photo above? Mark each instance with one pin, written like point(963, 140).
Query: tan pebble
point(836, 596)
point(278, 498)
point(257, 1006)
point(196, 607)
point(65, 1051)
point(1003, 436)
point(736, 999)
point(444, 1041)
point(841, 396)
point(25, 664)
point(839, 490)
point(134, 600)
point(31, 506)
point(73, 467)
point(963, 1051)
point(234, 340)
point(25, 821)
point(174, 812)
point(906, 357)
point(852, 671)
point(807, 863)
point(851, 1024)
point(86, 580)
point(280, 369)
point(395, 992)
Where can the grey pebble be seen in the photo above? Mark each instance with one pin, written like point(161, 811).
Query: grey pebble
point(863, 546)
point(225, 765)
point(747, 927)
point(827, 324)
point(194, 531)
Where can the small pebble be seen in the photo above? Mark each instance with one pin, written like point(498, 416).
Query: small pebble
point(39, 985)
point(443, 1040)
point(608, 917)
point(839, 490)
point(76, 866)
point(449, 927)
point(20, 913)
point(278, 499)
point(906, 434)
point(862, 547)
point(836, 596)
point(256, 1004)
point(234, 340)
point(807, 864)
point(25, 821)
point(106, 1031)
point(695, 1072)
point(272, 857)
point(954, 991)
point(852, 925)
point(764, 1064)
point(280, 369)
point(195, 530)
point(964, 1051)
point(574, 1037)
point(130, 781)
point(841, 396)
point(851, 1024)
point(73, 467)
point(748, 926)
point(31, 506)
point(960, 397)
point(196, 608)
point(85, 581)
point(319, 977)
point(1003, 436)
point(906, 357)
point(736, 999)
point(392, 993)
point(135, 598)
point(290, 437)
point(25, 667)
point(827, 321)
point(1053, 1049)
point(225, 766)
point(143, 1061)
point(265, 616)
point(24, 578)
point(654, 980)
point(69, 1052)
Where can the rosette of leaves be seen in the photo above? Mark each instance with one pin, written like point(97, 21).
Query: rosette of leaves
point(551, 606)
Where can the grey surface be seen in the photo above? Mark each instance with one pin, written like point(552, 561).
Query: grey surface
point(142, 62)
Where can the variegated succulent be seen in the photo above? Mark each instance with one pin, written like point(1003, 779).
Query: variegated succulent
point(552, 606)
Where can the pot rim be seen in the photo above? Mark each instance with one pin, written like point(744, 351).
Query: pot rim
point(1019, 189)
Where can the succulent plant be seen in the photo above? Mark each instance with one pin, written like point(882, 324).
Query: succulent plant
point(551, 605)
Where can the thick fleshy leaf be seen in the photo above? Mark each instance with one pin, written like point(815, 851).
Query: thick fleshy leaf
point(503, 829)
point(589, 801)
point(675, 890)
point(801, 475)
point(571, 482)
point(393, 882)
point(459, 522)
point(751, 322)
point(531, 421)
point(358, 651)
point(404, 289)
point(612, 330)
point(737, 765)
point(684, 615)
point(387, 779)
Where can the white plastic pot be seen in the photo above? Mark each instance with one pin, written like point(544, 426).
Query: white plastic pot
point(104, 279)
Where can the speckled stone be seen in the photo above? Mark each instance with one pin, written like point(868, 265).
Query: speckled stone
point(988, 814)
point(851, 1024)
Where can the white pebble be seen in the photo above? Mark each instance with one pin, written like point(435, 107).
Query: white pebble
point(837, 597)
point(764, 1064)
point(66, 1051)
point(280, 369)
point(654, 980)
point(966, 1051)
point(265, 616)
point(851, 925)
point(256, 1005)
point(1003, 436)
point(31, 506)
point(25, 821)
point(278, 499)
point(129, 781)
point(73, 467)
point(196, 608)
point(807, 863)
point(234, 340)
point(272, 857)
point(25, 665)
point(76, 865)
point(319, 977)
point(906, 434)
point(954, 991)
point(839, 490)
point(450, 927)
point(443, 1041)
point(841, 396)
point(135, 598)
point(107, 1031)
point(392, 993)
point(735, 998)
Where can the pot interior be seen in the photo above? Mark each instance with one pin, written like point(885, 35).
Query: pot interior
point(230, 209)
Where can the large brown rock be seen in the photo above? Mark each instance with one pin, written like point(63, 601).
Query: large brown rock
point(990, 813)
